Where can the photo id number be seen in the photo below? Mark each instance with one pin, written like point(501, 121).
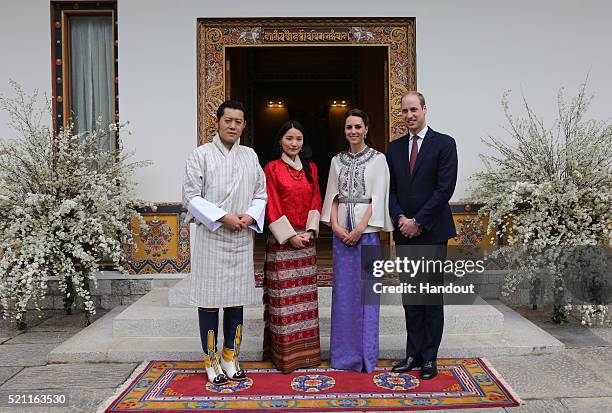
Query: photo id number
point(33, 399)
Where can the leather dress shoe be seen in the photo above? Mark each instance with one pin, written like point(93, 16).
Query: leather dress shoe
point(409, 363)
point(429, 370)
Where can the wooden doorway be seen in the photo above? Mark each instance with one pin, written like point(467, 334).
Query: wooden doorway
point(216, 36)
point(306, 64)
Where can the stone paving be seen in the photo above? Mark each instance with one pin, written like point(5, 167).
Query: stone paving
point(578, 379)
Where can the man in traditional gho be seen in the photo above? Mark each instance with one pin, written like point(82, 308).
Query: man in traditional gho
point(423, 168)
point(224, 189)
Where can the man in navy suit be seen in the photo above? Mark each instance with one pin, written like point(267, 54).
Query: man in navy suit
point(423, 167)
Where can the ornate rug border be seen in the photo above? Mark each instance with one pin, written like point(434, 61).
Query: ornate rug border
point(483, 361)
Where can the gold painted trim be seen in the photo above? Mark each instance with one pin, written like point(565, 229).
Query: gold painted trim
point(307, 45)
point(308, 21)
point(391, 112)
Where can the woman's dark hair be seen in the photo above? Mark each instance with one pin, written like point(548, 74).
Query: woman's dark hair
point(364, 116)
point(304, 154)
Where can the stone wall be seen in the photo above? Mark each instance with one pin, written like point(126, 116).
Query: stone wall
point(114, 289)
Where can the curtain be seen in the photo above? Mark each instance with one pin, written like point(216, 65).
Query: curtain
point(91, 67)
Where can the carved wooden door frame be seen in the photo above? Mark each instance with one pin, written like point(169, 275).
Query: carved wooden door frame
point(214, 35)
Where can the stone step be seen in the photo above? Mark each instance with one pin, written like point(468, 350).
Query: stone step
point(178, 294)
point(134, 349)
point(152, 317)
point(189, 348)
point(97, 344)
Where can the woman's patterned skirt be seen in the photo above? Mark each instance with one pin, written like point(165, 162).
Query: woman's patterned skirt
point(291, 308)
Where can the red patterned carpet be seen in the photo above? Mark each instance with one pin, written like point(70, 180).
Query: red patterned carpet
point(180, 386)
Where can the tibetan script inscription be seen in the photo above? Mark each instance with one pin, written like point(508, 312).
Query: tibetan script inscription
point(305, 35)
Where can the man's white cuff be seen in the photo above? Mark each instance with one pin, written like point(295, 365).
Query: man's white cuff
point(206, 212)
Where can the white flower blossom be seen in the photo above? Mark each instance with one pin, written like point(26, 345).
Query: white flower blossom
point(65, 205)
point(549, 187)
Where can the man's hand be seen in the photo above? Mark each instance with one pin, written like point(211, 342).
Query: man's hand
point(419, 231)
point(246, 219)
point(233, 222)
point(408, 228)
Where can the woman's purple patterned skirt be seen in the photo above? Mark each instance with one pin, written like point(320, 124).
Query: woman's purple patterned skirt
point(354, 329)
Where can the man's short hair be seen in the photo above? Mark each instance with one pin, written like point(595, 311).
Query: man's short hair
point(230, 104)
point(417, 94)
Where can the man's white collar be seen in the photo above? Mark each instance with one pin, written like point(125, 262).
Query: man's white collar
point(219, 144)
point(421, 133)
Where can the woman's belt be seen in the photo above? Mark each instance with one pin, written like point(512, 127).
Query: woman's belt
point(345, 200)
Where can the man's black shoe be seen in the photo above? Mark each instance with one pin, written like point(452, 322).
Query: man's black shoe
point(407, 364)
point(429, 370)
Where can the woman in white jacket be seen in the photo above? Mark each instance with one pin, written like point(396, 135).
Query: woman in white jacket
point(356, 207)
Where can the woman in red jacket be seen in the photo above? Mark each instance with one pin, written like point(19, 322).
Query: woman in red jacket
point(291, 337)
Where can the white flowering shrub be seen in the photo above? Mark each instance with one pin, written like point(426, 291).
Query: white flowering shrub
point(65, 205)
point(549, 188)
point(591, 314)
